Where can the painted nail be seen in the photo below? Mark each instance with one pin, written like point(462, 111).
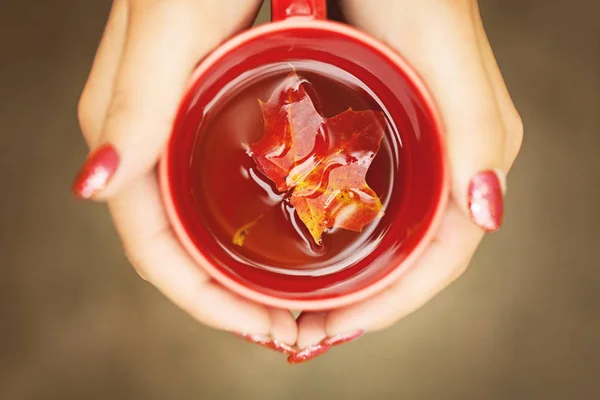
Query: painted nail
point(322, 347)
point(342, 338)
point(96, 172)
point(308, 353)
point(268, 342)
point(486, 202)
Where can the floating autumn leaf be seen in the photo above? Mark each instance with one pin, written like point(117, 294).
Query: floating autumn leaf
point(291, 126)
point(320, 162)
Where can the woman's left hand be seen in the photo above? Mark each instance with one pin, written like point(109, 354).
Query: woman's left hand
point(445, 41)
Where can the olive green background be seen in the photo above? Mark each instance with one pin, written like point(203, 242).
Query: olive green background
point(523, 323)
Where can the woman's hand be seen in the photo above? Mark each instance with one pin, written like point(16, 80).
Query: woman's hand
point(445, 42)
point(126, 111)
point(146, 55)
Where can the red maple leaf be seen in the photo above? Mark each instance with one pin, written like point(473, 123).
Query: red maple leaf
point(321, 162)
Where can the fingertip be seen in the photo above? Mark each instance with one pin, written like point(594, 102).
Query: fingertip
point(344, 337)
point(267, 342)
point(282, 334)
point(283, 326)
point(311, 329)
point(323, 347)
point(308, 353)
point(96, 173)
point(485, 198)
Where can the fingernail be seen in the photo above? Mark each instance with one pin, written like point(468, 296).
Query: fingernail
point(486, 200)
point(342, 338)
point(323, 346)
point(308, 353)
point(268, 342)
point(96, 172)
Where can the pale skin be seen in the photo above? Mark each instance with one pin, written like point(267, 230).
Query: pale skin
point(146, 55)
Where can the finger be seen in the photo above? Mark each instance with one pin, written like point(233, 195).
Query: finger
point(164, 42)
point(513, 124)
point(445, 259)
point(98, 90)
point(283, 326)
point(283, 333)
point(154, 251)
point(313, 328)
point(475, 132)
point(311, 332)
point(443, 262)
point(439, 40)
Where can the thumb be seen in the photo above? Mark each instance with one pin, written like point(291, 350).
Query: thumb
point(165, 40)
point(441, 40)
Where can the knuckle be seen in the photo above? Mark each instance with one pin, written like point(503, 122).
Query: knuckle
point(515, 133)
point(131, 254)
point(120, 103)
point(88, 118)
point(135, 259)
point(460, 269)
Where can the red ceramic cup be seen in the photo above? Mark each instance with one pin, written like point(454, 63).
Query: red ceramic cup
point(300, 31)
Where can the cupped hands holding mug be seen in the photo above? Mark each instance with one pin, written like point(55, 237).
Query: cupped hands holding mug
point(130, 101)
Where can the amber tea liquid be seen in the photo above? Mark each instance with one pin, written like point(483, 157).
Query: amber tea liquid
point(231, 193)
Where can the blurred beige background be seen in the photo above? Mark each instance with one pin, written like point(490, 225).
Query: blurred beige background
point(523, 323)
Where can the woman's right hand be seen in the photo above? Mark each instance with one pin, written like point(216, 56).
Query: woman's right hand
point(126, 111)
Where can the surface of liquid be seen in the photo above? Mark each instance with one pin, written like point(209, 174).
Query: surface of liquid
point(231, 193)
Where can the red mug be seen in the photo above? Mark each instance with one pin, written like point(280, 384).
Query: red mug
point(299, 32)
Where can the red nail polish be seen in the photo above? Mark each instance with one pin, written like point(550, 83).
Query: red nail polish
point(269, 343)
point(96, 172)
point(486, 202)
point(322, 347)
point(308, 353)
point(342, 338)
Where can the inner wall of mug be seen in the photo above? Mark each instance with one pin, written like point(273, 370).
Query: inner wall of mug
point(405, 106)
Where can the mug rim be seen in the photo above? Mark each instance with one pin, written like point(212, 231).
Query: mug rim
point(396, 272)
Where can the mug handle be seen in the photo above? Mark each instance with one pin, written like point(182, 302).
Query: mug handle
point(283, 9)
